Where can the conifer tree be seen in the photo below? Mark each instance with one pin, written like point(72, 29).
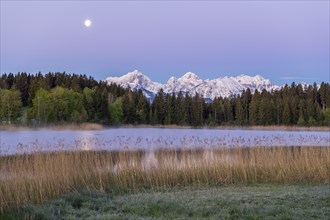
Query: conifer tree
point(254, 108)
point(246, 99)
point(286, 113)
point(324, 95)
point(239, 112)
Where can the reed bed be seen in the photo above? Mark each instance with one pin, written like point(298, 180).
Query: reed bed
point(34, 178)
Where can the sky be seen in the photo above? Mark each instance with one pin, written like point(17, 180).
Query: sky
point(283, 41)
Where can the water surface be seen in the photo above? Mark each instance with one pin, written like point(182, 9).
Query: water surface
point(14, 142)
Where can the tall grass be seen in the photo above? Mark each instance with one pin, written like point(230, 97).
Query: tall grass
point(34, 178)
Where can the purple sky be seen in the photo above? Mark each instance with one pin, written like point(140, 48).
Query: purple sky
point(283, 41)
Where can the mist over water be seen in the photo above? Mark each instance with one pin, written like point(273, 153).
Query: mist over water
point(19, 142)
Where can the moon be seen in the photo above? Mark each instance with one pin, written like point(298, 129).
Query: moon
point(88, 23)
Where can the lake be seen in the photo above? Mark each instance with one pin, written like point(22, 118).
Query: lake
point(28, 141)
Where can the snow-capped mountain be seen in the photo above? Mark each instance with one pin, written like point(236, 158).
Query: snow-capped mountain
point(186, 83)
point(136, 80)
point(191, 84)
point(254, 82)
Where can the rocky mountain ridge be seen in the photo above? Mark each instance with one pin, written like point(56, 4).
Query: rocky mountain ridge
point(191, 84)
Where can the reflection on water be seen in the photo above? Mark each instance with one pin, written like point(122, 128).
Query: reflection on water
point(13, 142)
point(85, 141)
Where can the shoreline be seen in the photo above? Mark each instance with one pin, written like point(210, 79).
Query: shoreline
point(95, 126)
point(82, 126)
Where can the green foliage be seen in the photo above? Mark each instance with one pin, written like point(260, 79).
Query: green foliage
point(180, 110)
point(101, 104)
point(116, 111)
point(311, 121)
point(301, 121)
point(254, 109)
point(196, 110)
point(239, 112)
point(160, 108)
point(90, 103)
point(286, 119)
point(21, 82)
point(327, 117)
point(72, 98)
point(42, 107)
point(58, 105)
point(10, 103)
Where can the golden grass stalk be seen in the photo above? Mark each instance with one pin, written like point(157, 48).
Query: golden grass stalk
point(34, 178)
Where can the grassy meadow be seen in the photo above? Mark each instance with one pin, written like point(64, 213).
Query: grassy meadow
point(260, 201)
point(35, 178)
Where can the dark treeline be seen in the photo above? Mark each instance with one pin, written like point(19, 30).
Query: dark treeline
point(57, 98)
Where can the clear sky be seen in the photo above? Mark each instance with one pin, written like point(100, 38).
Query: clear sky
point(284, 41)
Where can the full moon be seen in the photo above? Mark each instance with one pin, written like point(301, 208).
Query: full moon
point(88, 23)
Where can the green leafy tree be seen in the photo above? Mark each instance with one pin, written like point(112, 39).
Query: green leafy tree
point(10, 105)
point(326, 114)
point(42, 109)
point(116, 111)
point(58, 106)
point(90, 103)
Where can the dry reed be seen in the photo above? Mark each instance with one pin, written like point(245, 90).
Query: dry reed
point(34, 178)
point(73, 126)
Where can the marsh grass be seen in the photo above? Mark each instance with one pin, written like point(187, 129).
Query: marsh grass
point(35, 178)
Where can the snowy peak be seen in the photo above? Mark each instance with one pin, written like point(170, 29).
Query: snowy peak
point(134, 77)
point(172, 80)
point(171, 85)
point(135, 80)
point(245, 79)
point(224, 86)
point(189, 76)
point(187, 82)
point(191, 84)
point(255, 82)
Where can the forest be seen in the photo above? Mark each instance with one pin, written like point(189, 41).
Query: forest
point(61, 98)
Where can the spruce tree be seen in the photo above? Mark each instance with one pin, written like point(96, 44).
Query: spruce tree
point(286, 116)
point(239, 112)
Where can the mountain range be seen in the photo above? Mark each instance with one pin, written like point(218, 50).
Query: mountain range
point(190, 83)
